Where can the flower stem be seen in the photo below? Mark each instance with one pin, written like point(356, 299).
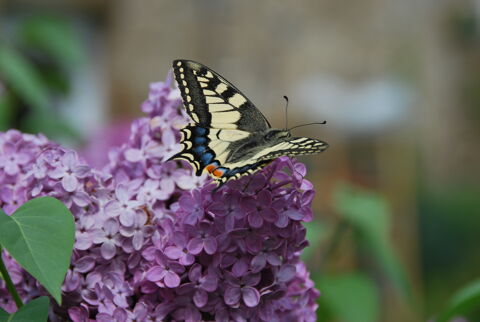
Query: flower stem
point(8, 282)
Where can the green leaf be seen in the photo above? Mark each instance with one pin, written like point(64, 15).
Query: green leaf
point(40, 236)
point(462, 302)
point(34, 311)
point(54, 36)
point(369, 214)
point(350, 297)
point(22, 77)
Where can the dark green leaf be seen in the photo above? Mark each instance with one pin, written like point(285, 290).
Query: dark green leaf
point(22, 77)
point(350, 297)
point(369, 214)
point(40, 236)
point(34, 311)
point(462, 301)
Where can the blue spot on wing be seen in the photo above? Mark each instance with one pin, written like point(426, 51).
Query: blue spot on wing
point(199, 149)
point(199, 140)
point(199, 130)
point(207, 158)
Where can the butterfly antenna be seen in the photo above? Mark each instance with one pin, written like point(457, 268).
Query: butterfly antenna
point(324, 122)
point(286, 111)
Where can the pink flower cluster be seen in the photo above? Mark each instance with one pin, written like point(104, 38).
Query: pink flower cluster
point(153, 241)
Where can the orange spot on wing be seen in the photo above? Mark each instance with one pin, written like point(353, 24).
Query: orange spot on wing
point(217, 173)
point(210, 168)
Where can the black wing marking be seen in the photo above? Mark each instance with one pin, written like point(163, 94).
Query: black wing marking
point(236, 173)
point(213, 102)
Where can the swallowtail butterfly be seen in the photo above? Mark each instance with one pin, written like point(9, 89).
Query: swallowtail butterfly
point(229, 137)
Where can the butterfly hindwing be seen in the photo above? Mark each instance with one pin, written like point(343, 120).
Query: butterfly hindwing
point(211, 101)
point(261, 151)
point(195, 148)
point(207, 148)
point(254, 154)
point(293, 146)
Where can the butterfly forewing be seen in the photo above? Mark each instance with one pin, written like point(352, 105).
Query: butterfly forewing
point(212, 101)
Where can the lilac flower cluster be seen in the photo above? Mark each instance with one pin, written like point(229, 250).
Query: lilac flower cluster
point(153, 241)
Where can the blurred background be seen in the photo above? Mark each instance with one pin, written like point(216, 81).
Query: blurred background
point(397, 222)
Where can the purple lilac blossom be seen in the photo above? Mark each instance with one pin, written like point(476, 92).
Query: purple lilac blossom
point(153, 242)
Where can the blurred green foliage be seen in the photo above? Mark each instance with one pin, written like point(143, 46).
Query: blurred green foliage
point(35, 66)
point(370, 218)
point(54, 37)
point(316, 235)
point(354, 296)
point(449, 222)
point(462, 302)
point(350, 297)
